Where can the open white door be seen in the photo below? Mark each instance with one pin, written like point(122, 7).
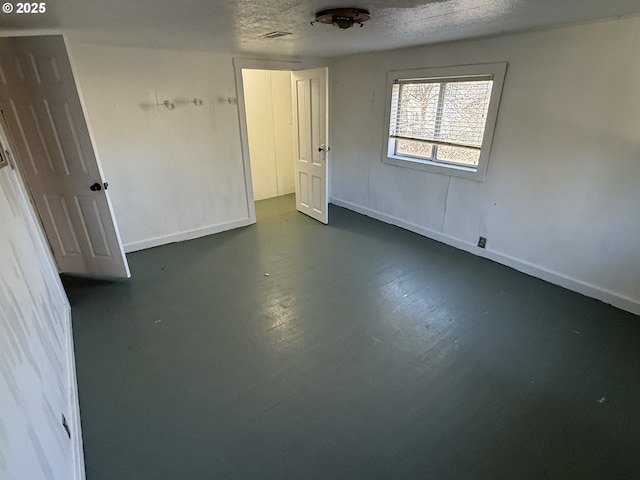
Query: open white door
point(44, 115)
point(311, 149)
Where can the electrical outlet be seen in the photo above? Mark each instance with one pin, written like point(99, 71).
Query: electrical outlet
point(482, 242)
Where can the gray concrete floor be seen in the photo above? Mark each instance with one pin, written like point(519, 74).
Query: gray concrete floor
point(368, 352)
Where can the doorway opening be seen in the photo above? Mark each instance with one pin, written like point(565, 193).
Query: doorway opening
point(268, 108)
point(268, 112)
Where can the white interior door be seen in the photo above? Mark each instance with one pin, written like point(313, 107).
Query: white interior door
point(311, 148)
point(44, 115)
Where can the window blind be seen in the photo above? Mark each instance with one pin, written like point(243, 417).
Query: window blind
point(449, 112)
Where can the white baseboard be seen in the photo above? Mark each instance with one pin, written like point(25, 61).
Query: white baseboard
point(603, 294)
point(74, 405)
point(186, 235)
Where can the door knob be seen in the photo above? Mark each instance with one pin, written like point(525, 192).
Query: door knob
point(322, 148)
point(96, 187)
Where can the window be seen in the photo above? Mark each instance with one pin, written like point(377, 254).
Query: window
point(442, 119)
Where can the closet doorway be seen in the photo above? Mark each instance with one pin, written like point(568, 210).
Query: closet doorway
point(269, 113)
point(284, 131)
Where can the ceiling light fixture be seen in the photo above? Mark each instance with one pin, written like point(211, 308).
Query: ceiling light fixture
point(342, 17)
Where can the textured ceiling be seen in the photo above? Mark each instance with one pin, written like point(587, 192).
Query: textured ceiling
point(236, 25)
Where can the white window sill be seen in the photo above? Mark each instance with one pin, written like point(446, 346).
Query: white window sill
point(471, 173)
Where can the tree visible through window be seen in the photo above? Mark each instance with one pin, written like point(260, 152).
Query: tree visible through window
point(442, 119)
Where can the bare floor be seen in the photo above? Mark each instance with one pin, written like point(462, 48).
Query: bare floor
point(357, 350)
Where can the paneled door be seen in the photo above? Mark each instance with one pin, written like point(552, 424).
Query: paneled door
point(311, 149)
point(42, 109)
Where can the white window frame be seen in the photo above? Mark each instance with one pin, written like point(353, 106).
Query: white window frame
point(496, 71)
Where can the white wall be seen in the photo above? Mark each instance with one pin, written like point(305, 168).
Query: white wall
point(37, 372)
point(268, 105)
point(561, 198)
point(174, 174)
